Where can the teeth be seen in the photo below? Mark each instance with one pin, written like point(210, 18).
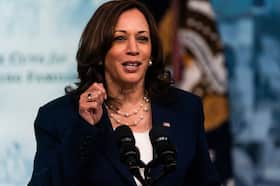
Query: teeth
point(131, 64)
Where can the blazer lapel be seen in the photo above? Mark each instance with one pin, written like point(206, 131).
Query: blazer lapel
point(162, 115)
point(111, 151)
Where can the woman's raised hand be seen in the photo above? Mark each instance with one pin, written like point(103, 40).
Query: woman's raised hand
point(90, 103)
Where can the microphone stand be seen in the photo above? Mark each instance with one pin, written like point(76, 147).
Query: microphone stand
point(138, 176)
point(147, 173)
point(136, 172)
point(147, 180)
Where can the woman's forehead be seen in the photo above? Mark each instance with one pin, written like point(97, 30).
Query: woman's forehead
point(132, 20)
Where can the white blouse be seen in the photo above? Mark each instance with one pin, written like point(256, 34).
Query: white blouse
point(143, 143)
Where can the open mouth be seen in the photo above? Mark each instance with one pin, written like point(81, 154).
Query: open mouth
point(131, 66)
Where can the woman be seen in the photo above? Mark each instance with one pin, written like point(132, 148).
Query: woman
point(122, 82)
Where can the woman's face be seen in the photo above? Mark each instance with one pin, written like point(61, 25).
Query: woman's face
point(127, 60)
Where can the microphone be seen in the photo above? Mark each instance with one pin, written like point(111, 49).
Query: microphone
point(129, 153)
point(165, 152)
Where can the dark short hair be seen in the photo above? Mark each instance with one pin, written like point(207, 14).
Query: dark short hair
point(97, 39)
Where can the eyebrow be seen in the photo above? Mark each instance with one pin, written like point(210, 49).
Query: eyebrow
point(139, 32)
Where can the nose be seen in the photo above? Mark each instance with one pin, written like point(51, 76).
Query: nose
point(132, 47)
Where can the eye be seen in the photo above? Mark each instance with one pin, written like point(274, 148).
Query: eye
point(119, 38)
point(143, 39)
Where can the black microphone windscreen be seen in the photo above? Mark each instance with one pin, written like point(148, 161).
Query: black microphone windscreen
point(157, 132)
point(129, 153)
point(124, 134)
point(165, 151)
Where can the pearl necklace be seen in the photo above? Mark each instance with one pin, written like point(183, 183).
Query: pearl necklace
point(115, 112)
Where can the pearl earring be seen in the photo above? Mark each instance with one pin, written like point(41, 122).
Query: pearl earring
point(150, 62)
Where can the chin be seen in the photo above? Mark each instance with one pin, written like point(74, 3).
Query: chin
point(132, 80)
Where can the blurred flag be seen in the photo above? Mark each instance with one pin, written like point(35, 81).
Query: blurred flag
point(199, 67)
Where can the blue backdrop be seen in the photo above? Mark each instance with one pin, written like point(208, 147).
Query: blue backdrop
point(250, 30)
point(38, 41)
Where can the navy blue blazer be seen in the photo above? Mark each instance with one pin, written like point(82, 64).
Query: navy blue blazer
point(70, 152)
